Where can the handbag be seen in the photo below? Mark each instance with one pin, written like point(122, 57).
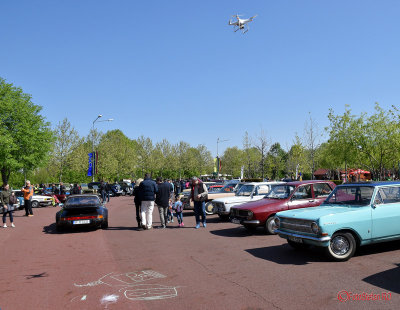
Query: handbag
point(13, 199)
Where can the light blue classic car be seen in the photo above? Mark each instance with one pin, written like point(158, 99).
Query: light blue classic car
point(353, 215)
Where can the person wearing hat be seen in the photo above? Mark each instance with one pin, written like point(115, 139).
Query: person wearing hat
point(199, 195)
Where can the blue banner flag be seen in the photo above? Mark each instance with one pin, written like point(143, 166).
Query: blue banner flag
point(90, 169)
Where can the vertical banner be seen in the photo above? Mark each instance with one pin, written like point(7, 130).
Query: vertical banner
point(96, 162)
point(90, 169)
point(215, 165)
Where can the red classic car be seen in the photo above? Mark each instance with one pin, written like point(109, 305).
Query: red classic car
point(292, 195)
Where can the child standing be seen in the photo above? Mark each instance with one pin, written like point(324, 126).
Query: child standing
point(170, 216)
point(178, 207)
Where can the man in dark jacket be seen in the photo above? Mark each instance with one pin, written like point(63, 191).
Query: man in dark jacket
point(137, 200)
point(147, 190)
point(199, 195)
point(162, 200)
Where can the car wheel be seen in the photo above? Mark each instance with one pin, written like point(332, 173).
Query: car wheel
point(59, 228)
point(35, 204)
point(209, 208)
point(104, 225)
point(297, 245)
point(270, 226)
point(342, 246)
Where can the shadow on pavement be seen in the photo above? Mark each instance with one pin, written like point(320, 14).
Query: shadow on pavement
point(378, 248)
point(36, 276)
point(285, 255)
point(236, 232)
point(123, 228)
point(387, 280)
point(51, 229)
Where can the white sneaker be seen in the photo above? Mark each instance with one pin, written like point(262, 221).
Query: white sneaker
point(12, 225)
point(5, 226)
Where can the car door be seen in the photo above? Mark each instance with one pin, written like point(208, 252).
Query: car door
point(386, 213)
point(301, 198)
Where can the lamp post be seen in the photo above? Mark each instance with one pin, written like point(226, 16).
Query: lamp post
point(218, 142)
point(97, 120)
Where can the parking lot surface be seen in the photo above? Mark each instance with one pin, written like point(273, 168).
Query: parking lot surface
point(221, 266)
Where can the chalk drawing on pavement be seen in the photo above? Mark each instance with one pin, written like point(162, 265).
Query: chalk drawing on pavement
point(131, 286)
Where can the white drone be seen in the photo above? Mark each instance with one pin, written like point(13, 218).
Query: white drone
point(241, 24)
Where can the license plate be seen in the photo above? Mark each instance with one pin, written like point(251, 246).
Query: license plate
point(235, 221)
point(81, 222)
point(295, 239)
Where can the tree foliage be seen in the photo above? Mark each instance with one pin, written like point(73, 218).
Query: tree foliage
point(25, 136)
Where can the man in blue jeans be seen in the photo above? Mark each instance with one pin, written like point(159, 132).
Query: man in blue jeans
point(199, 195)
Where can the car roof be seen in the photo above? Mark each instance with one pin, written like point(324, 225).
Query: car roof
point(263, 183)
point(373, 183)
point(298, 183)
point(84, 195)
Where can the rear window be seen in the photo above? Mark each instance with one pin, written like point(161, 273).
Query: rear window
point(82, 201)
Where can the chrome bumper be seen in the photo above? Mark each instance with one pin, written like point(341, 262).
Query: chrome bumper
point(254, 222)
point(285, 233)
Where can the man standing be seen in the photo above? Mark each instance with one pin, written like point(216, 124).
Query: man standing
point(162, 200)
point(199, 195)
point(62, 188)
point(102, 190)
point(147, 190)
point(28, 193)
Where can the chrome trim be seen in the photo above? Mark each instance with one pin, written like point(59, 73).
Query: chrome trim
point(251, 222)
point(322, 239)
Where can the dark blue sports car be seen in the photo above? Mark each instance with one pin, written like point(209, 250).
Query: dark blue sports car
point(82, 211)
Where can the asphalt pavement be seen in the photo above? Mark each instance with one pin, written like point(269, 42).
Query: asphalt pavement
point(221, 266)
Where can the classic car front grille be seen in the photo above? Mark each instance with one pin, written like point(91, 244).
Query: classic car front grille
point(220, 206)
point(298, 225)
point(239, 214)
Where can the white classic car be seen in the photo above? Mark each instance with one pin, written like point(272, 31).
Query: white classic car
point(37, 200)
point(251, 191)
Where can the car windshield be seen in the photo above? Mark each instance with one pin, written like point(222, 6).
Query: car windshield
point(227, 188)
point(280, 192)
point(351, 195)
point(245, 190)
point(82, 201)
point(214, 189)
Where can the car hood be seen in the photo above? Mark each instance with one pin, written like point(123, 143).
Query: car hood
point(316, 213)
point(234, 199)
point(262, 203)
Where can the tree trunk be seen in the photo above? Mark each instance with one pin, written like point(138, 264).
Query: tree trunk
point(5, 175)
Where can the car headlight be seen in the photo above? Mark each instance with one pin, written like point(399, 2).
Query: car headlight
point(277, 222)
point(314, 227)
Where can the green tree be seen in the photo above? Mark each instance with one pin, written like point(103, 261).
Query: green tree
point(25, 136)
point(66, 140)
point(277, 160)
point(117, 156)
point(232, 161)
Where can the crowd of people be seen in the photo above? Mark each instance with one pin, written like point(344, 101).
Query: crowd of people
point(165, 194)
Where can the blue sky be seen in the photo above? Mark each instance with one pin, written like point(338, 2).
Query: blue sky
point(176, 70)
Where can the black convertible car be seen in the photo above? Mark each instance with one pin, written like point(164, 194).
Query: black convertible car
point(81, 211)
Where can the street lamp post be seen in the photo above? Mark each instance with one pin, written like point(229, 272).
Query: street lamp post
point(97, 120)
point(218, 142)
